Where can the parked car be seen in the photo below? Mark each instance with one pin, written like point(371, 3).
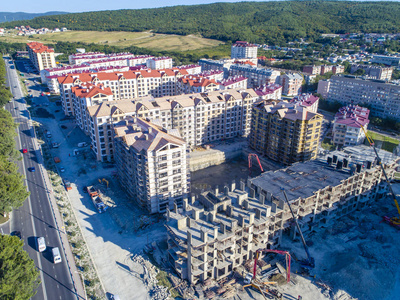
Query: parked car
point(32, 169)
point(24, 151)
point(16, 233)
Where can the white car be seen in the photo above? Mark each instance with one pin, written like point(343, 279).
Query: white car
point(62, 169)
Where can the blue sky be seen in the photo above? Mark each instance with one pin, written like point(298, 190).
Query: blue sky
point(40, 6)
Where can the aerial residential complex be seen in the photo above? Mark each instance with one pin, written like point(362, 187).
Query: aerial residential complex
point(199, 118)
point(41, 56)
point(285, 132)
point(151, 164)
point(211, 236)
point(382, 97)
point(256, 76)
point(350, 125)
point(291, 84)
point(321, 70)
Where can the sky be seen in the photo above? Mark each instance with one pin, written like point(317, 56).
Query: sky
point(41, 6)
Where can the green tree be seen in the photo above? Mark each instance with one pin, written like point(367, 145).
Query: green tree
point(12, 190)
point(7, 134)
point(359, 72)
point(18, 274)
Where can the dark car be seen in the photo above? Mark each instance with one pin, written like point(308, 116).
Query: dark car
point(32, 169)
point(16, 233)
point(85, 189)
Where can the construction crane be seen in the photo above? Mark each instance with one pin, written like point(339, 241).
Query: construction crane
point(309, 262)
point(261, 286)
point(258, 160)
point(394, 221)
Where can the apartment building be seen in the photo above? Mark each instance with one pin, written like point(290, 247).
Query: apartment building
point(285, 132)
point(199, 118)
point(158, 63)
point(374, 72)
point(308, 101)
point(242, 49)
point(124, 85)
point(291, 84)
point(191, 69)
point(256, 76)
point(213, 74)
point(323, 88)
point(41, 56)
point(236, 82)
point(382, 97)
point(79, 58)
point(196, 84)
point(84, 96)
point(269, 91)
point(215, 234)
point(151, 164)
point(350, 125)
point(386, 60)
point(321, 70)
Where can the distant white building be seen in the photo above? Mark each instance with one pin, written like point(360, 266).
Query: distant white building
point(291, 84)
point(157, 63)
point(323, 88)
point(242, 49)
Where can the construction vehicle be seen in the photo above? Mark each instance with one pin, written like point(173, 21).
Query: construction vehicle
point(99, 204)
point(309, 262)
point(258, 160)
point(394, 221)
point(104, 181)
point(251, 279)
point(67, 185)
point(92, 191)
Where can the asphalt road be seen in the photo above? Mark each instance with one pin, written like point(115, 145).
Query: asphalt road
point(35, 218)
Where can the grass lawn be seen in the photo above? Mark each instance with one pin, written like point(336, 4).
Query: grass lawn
point(388, 143)
point(149, 40)
point(4, 219)
point(163, 280)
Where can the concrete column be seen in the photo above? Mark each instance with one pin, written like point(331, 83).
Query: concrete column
point(269, 195)
point(242, 185)
point(239, 200)
point(211, 216)
point(246, 204)
point(226, 190)
point(175, 207)
point(215, 232)
point(216, 190)
point(189, 238)
point(204, 236)
point(281, 204)
point(252, 193)
point(258, 213)
point(185, 204)
point(262, 199)
point(241, 221)
point(193, 199)
point(222, 228)
point(233, 224)
point(273, 207)
point(229, 210)
point(251, 219)
point(268, 211)
point(233, 186)
point(196, 214)
point(167, 214)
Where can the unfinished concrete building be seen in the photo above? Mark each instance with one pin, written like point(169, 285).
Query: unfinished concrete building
point(212, 235)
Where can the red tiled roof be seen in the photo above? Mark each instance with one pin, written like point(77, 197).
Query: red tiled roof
point(39, 47)
point(88, 90)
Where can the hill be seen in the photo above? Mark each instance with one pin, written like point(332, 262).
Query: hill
point(261, 22)
point(16, 16)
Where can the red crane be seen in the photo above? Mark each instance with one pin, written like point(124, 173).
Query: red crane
point(255, 155)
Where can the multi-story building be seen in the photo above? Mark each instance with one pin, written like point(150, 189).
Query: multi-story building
point(291, 84)
point(350, 125)
point(311, 69)
point(386, 60)
point(124, 85)
point(125, 58)
point(41, 56)
point(237, 82)
point(256, 76)
point(383, 98)
point(196, 84)
point(323, 88)
point(321, 70)
point(157, 63)
point(216, 65)
point(79, 58)
point(151, 164)
point(308, 101)
point(285, 132)
point(271, 91)
point(217, 233)
point(199, 118)
point(374, 72)
point(242, 49)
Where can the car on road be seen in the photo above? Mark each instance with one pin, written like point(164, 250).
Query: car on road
point(40, 244)
point(24, 151)
point(32, 169)
point(114, 297)
point(16, 233)
point(62, 169)
point(56, 255)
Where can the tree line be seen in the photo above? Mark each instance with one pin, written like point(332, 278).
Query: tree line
point(18, 274)
point(273, 22)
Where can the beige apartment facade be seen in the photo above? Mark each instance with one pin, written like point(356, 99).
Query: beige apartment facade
point(41, 56)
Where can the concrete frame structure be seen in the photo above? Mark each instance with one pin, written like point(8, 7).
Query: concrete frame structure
point(213, 235)
point(151, 164)
point(285, 132)
point(383, 98)
point(41, 56)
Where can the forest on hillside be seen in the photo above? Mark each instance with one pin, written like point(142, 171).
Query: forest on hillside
point(274, 22)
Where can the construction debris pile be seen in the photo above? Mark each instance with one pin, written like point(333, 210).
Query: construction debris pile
point(149, 279)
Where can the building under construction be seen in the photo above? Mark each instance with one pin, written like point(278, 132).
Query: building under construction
point(219, 230)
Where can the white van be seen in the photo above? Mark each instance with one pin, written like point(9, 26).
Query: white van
point(83, 144)
point(56, 255)
point(41, 244)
